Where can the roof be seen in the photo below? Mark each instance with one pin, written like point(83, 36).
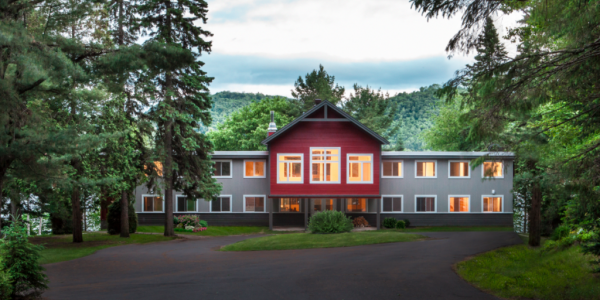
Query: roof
point(240, 154)
point(336, 109)
point(444, 154)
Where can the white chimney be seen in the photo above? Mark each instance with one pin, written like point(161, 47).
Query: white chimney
point(272, 127)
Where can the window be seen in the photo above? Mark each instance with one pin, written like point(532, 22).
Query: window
point(392, 169)
point(458, 203)
point(360, 168)
point(289, 205)
point(322, 204)
point(391, 203)
point(185, 204)
point(254, 169)
point(425, 203)
point(325, 165)
point(356, 204)
point(254, 203)
point(426, 169)
point(492, 203)
point(153, 203)
point(222, 169)
point(493, 169)
point(289, 169)
point(221, 204)
point(458, 169)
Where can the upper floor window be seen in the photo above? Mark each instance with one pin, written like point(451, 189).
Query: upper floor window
point(185, 204)
point(153, 203)
point(458, 169)
point(221, 204)
point(492, 203)
point(222, 169)
point(360, 168)
point(426, 169)
point(289, 205)
point(393, 169)
point(458, 203)
point(254, 169)
point(356, 204)
point(325, 165)
point(391, 203)
point(425, 203)
point(289, 168)
point(493, 169)
point(254, 203)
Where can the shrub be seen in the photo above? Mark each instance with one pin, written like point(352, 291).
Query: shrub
point(560, 232)
point(330, 221)
point(407, 222)
point(189, 220)
point(360, 221)
point(389, 222)
point(400, 224)
point(5, 287)
point(114, 218)
point(20, 260)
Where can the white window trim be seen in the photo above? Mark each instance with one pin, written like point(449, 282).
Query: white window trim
point(301, 167)
point(257, 212)
point(402, 171)
point(230, 168)
point(256, 160)
point(495, 177)
point(339, 155)
point(393, 196)
point(175, 209)
point(436, 168)
point(493, 212)
point(426, 196)
point(459, 161)
point(154, 195)
point(222, 212)
point(459, 196)
point(348, 168)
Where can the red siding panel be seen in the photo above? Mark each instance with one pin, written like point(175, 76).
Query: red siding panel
point(345, 135)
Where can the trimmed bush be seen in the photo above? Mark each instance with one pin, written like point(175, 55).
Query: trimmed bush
point(407, 222)
point(400, 224)
point(114, 218)
point(389, 222)
point(330, 221)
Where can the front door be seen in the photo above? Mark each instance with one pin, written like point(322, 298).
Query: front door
point(320, 204)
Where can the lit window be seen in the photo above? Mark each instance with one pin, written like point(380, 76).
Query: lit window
point(425, 204)
point(392, 169)
point(153, 203)
point(426, 169)
point(492, 204)
point(459, 204)
point(459, 169)
point(185, 204)
point(222, 169)
point(254, 203)
point(356, 205)
point(289, 205)
point(392, 204)
point(254, 169)
point(289, 169)
point(221, 204)
point(360, 168)
point(325, 165)
point(493, 169)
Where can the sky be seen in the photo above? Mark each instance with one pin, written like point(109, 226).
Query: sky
point(264, 45)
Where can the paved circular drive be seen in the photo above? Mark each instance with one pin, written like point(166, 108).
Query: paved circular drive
point(191, 269)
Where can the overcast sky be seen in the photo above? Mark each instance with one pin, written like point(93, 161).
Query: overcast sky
point(264, 45)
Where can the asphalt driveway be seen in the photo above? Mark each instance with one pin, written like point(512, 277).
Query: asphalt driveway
point(191, 269)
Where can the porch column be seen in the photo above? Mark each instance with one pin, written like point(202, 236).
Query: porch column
point(271, 201)
point(306, 213)
point(378, 214)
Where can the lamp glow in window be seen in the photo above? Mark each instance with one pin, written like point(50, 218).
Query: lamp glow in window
point(360, 168)
point(289, 205)
point(356, 204)
point(254, 169)
point(493, 169)
point(492, 204)
point(459, 204)
point(325, 165)
point(426, 169)
point(289, 168)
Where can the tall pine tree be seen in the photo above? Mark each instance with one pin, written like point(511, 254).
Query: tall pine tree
point(316, 85)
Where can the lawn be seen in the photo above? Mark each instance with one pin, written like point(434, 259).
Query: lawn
point(309, 240)
point(61, 247)
point(213, 230)
point(520, 272)
point(452, 229)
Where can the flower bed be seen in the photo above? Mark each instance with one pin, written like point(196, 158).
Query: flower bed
point(189, 223)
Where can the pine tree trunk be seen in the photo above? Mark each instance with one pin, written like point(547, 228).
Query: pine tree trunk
point(168, 165)
point(124, 215)
point(76, 204)
point(13, 210)
point(535, 216)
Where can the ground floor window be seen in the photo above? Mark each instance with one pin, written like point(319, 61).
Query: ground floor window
point(322, 204)
point(391, 204)
point(492, 203)
point(289, 205)
point(153, 203)
point(356, 205)
point(254, 203)
point(459, 203)
point(425, 204)
point(221, 204)
point(185, 204)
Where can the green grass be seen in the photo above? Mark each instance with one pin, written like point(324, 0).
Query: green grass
point(60, 248)
point(309, 240)
point(213, 230)
point(518, 272)
point(452, 228)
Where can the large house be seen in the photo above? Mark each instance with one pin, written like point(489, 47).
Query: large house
point(327, 160)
